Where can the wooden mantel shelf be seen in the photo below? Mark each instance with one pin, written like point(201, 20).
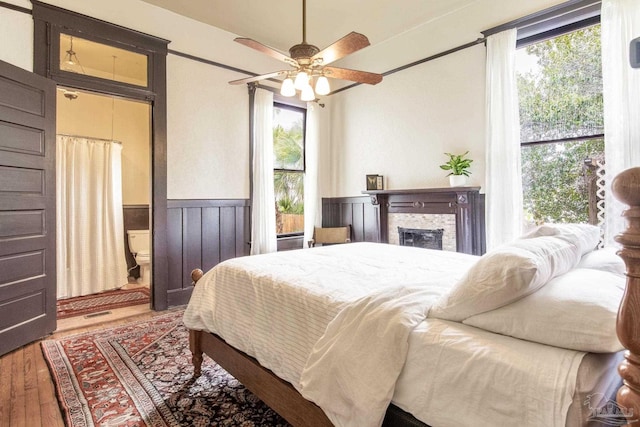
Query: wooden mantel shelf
point(466, 203)
point(424, 190)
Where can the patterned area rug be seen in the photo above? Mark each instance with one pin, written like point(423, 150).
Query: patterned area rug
point(119, 298)
point(141, 374)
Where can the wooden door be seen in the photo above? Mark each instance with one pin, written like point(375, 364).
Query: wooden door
point(27, 207)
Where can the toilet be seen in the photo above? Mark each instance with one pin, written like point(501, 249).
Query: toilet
point(139, 245)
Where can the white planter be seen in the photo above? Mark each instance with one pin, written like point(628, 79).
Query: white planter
point(458, 180)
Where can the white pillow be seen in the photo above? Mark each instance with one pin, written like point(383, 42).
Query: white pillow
point(585, 236)
point(505, 275)
point(605, 259)
point(576, 310)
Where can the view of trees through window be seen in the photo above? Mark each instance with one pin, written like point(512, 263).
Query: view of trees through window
point(562, 126)
point(288, 151)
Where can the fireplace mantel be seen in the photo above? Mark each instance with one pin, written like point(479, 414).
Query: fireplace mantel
point(466, 203)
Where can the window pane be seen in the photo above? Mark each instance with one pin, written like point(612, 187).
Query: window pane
point(288, 139)
point(82, 56)
point(289, 191)
point(560, 87)
point(559, 181)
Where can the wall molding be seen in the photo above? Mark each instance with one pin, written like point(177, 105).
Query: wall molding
point(201, 233)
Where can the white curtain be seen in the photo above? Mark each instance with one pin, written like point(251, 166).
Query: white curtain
point(263, 210)
point(311, 201)
point(90, 232)
point(621, 89)
point(504, 216)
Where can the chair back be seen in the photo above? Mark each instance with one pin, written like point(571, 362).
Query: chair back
point(330, 235)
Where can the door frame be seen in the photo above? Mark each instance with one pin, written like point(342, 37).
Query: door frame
point(49, 21)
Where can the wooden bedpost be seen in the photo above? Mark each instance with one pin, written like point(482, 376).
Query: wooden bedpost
point(195, 337)
point(626, 188)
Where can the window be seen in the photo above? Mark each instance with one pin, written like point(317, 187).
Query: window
point(81, 56)
point(562, 126)
point(289, 162)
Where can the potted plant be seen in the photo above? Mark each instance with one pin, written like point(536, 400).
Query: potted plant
point(458, 165)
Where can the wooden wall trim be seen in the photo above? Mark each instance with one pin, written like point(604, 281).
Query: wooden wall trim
point(200, 234)
point(358, 212)
point(205, 203)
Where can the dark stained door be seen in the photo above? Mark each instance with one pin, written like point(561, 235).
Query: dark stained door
point(27, 207)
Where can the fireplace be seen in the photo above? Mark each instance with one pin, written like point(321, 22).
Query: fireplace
point(420, 237)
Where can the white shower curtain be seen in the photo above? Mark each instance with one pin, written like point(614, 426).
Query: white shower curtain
point(90, 232)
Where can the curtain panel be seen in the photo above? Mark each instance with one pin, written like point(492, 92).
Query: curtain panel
point(504, 216)
point(312, 205)
point(620, 21)
point(263, 214)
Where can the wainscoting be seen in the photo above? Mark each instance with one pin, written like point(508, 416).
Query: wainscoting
point(359, 212)
point(201, 234)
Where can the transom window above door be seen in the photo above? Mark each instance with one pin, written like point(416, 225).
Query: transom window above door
point(82, 56)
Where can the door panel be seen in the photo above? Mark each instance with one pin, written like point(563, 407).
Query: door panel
point(27, 207)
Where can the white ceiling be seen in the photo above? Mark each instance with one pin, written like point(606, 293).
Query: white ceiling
point(400, 31)
point(278, 23)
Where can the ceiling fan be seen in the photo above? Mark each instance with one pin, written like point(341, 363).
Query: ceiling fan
point(311, 63)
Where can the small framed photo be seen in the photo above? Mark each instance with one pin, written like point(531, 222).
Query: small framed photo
point(375, 182)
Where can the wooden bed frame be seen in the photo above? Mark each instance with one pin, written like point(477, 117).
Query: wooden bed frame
point(283, 398)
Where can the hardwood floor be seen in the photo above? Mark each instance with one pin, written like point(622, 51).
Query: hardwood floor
point(27, 395)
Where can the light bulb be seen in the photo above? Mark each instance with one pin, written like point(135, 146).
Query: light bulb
point(302, 80)
point(322, 86)
point(307, 93)
point(287, 88)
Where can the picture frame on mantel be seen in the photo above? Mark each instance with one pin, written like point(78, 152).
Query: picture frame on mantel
point(375, 182)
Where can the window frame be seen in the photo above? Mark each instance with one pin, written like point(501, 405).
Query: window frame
point(547, 34)
point(285, 106)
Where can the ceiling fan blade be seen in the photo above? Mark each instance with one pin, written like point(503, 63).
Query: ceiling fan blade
point(353, 75)
point(256, 78)
point(264, 49)
point(350, 43)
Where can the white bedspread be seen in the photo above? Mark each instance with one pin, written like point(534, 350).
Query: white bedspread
point(277, 308)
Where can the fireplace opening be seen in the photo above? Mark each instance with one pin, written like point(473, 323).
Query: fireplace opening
point(421, 238)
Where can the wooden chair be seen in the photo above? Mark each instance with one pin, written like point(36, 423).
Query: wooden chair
point(330, 235)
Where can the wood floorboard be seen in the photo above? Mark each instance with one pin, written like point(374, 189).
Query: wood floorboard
point(27, 393)
point(5, 390)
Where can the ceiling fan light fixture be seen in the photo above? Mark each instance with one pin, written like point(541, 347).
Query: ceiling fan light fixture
point(307, 93)
point(302, 80)
point(322, 86)
point(287, 88)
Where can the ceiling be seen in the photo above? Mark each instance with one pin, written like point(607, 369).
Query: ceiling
point(278, 23)
point(400, 31)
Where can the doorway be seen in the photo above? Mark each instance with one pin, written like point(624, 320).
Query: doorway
point(93, 119)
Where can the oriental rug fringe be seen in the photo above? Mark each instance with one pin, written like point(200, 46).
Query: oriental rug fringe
point(140, 374)
point(108, 300)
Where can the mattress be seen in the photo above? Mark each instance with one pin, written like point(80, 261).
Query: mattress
point(275, 307)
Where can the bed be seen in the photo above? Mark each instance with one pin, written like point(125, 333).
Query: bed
point(364, 334)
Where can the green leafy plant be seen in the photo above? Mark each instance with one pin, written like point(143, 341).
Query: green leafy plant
point(457, 164)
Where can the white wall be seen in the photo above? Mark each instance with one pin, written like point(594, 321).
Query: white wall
point(16, 33)
point(208, 132)
point(91, 116)
point(401, 127)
